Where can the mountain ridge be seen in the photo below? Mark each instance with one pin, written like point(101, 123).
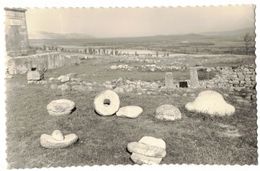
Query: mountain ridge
point(229, 33)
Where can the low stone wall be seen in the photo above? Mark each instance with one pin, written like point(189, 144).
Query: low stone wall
point(236, 78)
point(20, 65)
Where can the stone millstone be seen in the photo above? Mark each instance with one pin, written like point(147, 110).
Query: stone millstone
point(129, 111)
point(57, 140)
point(106, 103)
point(60, 107)
point(168, 112)
point(148, 150)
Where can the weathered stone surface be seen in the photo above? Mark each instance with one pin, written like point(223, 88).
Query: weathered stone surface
point(57, 140)
point(212, 103)
point(52, 79)
point(119, 90)
point(145, 149)
point(34, 76)
point(17, 42)
point(169, 80)
point(235, 77)
point(37, 82)
point(63, 78)
point(157, 142)
point(194, 79)
point(168, 112)
point(77, 80)
point(142, 159)
point(57, 135)
point(148, 150)
point(129, 111)
point(64, 87)
point(106, 103)
point(60, 107)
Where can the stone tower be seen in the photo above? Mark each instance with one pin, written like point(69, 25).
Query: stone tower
point(16, 35)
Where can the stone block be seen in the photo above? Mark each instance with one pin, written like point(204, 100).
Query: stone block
point(34, 75)
point(169, 80)
point(194, 79)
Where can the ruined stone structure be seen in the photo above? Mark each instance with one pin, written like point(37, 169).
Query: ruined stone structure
point(194, 79)
point(236, 77)
point(17, 43)
point(169, 80)
point(42, 62)
point(170, 83)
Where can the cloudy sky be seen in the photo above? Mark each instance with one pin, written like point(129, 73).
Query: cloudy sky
point(131, 22)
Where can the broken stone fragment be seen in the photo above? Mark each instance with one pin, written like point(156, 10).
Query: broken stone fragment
point(57, 140)
point(148, 150)
point(129, 111)
point(63, 78)
point(142, 159)
point(60, 107)
point(167, 112)
point(119, 90)
point(157, 142)
point(34, 76)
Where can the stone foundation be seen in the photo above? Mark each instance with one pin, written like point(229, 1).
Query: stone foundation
point(43, 62)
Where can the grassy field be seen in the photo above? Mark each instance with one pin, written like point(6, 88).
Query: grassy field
point(196, 138)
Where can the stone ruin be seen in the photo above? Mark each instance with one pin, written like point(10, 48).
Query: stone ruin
point(234, 78)
point(20, 57)
point(34, 75)
point(194, 79)
point(17, 42)
point(169, 80)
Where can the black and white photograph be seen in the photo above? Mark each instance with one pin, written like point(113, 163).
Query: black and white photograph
point(125, 86)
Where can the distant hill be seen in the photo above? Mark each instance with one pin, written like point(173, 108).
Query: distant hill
point(218, 39)
point(191, 36)
point(239, 32)
point(49, 35)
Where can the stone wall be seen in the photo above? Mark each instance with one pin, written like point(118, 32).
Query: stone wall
point(234, 78)
point(22, 64)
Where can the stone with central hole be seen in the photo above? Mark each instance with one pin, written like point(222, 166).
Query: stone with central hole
point(106, 103)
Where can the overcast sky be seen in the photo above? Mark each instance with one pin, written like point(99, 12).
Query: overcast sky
point(139, 21)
